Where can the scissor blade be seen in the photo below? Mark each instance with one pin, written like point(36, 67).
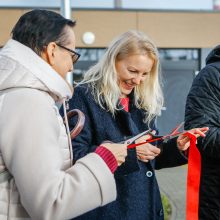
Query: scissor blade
point(131, 140)
point(177, 128)
point(168, 137)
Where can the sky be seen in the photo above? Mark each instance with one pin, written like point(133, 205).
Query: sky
point(128, 4)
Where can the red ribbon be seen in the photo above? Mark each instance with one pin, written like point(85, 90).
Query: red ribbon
point(193, 180)
point(193, 177)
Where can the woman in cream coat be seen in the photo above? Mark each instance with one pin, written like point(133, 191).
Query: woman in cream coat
point(34, 145)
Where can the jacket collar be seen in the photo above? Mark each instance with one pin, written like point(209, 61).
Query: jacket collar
point(36, 66)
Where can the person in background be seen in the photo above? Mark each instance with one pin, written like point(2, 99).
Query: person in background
point(121, 97)
point(203, 109)
point(34, 145)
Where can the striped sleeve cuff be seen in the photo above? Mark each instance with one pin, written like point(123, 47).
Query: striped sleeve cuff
point(108, 157)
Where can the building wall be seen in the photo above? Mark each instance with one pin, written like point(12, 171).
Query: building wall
point(168, 29)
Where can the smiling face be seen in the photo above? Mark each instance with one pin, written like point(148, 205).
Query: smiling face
point(132, 71)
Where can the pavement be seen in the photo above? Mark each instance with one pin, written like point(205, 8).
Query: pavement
point(172, 183)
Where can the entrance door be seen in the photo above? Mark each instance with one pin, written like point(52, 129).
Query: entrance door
point(177, 79)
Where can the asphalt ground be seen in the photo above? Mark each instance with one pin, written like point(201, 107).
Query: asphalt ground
point(172, 183)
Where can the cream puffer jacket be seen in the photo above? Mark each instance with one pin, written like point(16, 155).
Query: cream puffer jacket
point(34, 145)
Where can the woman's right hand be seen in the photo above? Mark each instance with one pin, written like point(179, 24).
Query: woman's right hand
point(118, 150)
point(146, 151)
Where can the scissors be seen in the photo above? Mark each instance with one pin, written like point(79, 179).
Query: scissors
point(133, 139)
point(153, 138)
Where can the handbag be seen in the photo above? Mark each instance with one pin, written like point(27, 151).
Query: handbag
point(79, 124)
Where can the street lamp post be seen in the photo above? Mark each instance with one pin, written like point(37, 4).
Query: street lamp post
point(118, 4)
point(65, 10)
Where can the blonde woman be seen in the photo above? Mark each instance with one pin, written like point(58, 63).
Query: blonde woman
point(121, 96)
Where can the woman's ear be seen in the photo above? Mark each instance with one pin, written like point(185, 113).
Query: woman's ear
point(49, 53)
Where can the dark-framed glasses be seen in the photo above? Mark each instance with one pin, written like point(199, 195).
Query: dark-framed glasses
point(75, 56)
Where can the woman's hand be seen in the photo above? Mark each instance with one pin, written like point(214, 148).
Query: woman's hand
point(118, 150)
point(146, 151)
point(183, 142)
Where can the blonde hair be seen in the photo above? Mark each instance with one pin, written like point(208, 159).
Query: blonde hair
point(102, 77)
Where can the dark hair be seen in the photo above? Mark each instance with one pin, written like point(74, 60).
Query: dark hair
point(37, 28)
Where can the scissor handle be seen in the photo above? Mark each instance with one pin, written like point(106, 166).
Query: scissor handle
point(153, 138)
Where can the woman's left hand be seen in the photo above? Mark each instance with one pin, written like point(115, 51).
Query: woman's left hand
point(183, 142)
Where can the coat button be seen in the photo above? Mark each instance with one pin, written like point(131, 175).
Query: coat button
point(149, 173)
point(160, 213)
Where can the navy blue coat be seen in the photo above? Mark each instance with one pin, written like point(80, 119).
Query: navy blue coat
point(138, 195)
